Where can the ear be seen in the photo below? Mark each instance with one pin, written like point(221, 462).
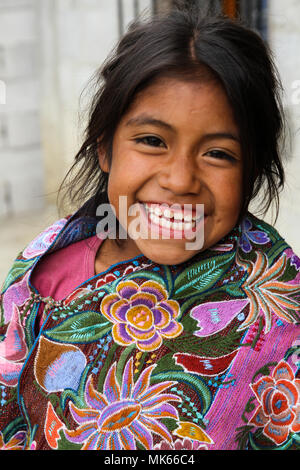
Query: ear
point(102, 157)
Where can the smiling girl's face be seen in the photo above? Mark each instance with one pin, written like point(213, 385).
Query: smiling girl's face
point(177, 144)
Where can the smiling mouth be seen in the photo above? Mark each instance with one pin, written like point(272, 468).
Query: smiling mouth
point(175, 221)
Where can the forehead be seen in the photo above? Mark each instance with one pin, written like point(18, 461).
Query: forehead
point(183, 100)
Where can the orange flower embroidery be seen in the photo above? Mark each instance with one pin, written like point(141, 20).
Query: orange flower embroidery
point(267, 294)
point(142, 314)
point(279, 398)
point(15, 443)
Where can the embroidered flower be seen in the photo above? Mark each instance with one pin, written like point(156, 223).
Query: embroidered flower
point(112, 277)
point(248, 236)
point(44, 240)
point(279, 399)
point(186, 444)
point(295, 261)
point(141, 314)
point(13, 351)
point(295, 357)
point(267, 294)
point(124, 413)
point(16, 294)
point(15, 443)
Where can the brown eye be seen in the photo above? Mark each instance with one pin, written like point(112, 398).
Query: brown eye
point(152, 141)
point(220, 155)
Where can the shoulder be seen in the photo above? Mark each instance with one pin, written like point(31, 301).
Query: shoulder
point(268, 257)
point(27, 258)
point(43, 241)
point(258, 235)
point(60, 234)
point(252, 223)
point(17, 289)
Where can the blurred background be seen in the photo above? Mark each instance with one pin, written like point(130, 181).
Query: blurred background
point(50, 49)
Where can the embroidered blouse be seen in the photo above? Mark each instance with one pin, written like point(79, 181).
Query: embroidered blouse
point(197, 356)
point(58, 274)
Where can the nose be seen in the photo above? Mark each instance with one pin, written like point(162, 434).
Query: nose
point(180, 175)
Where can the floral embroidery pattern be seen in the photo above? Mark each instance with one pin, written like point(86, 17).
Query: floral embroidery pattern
point(43, 241)
point(13, 351)
point(215, 316)
point(142, 314)
point(279, 398)
point(267, 294)
point(58, 366)
point(52, 426)
point(15, 443)
point(80, 292)
point(189, 430)
point(295, 261)
point(112, 277)
point(16, 294)
point(106, 376)
point(124, 413)
point(248, 236)
point(185, 444)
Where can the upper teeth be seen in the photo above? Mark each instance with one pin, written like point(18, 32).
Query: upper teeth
point(169, 214)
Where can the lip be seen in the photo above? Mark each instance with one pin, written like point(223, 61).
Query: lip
point(166, 232)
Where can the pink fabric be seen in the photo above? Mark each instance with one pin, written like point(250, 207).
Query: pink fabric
point(59, 273)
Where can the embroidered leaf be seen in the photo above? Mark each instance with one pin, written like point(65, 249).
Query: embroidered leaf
point(242, 436)
point(289, 274)
point(259, 441)
point(168, 280)
point(76, 397)
point(215, 345)
point(267, 294)
point(19, 268)
point(13, 427)
point(64, 444)
point(276, 250)
point(167, 362)
point(202, 275)
point(195, 383)
point(85, 327)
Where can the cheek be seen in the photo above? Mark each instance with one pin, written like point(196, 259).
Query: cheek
point(228, 193)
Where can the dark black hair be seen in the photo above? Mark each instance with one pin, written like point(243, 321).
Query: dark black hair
point(182, 43)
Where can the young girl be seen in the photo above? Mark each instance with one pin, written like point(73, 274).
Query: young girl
point(131, 342)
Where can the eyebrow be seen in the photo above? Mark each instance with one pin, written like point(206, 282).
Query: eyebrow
point(144, 119)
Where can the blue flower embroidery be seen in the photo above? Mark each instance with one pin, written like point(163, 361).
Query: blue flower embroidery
point(248, 236)
point(295, 261)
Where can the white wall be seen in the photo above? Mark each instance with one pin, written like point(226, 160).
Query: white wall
point(76, 36)
point(21, 165)
point(49, 50)
point(284, 34)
